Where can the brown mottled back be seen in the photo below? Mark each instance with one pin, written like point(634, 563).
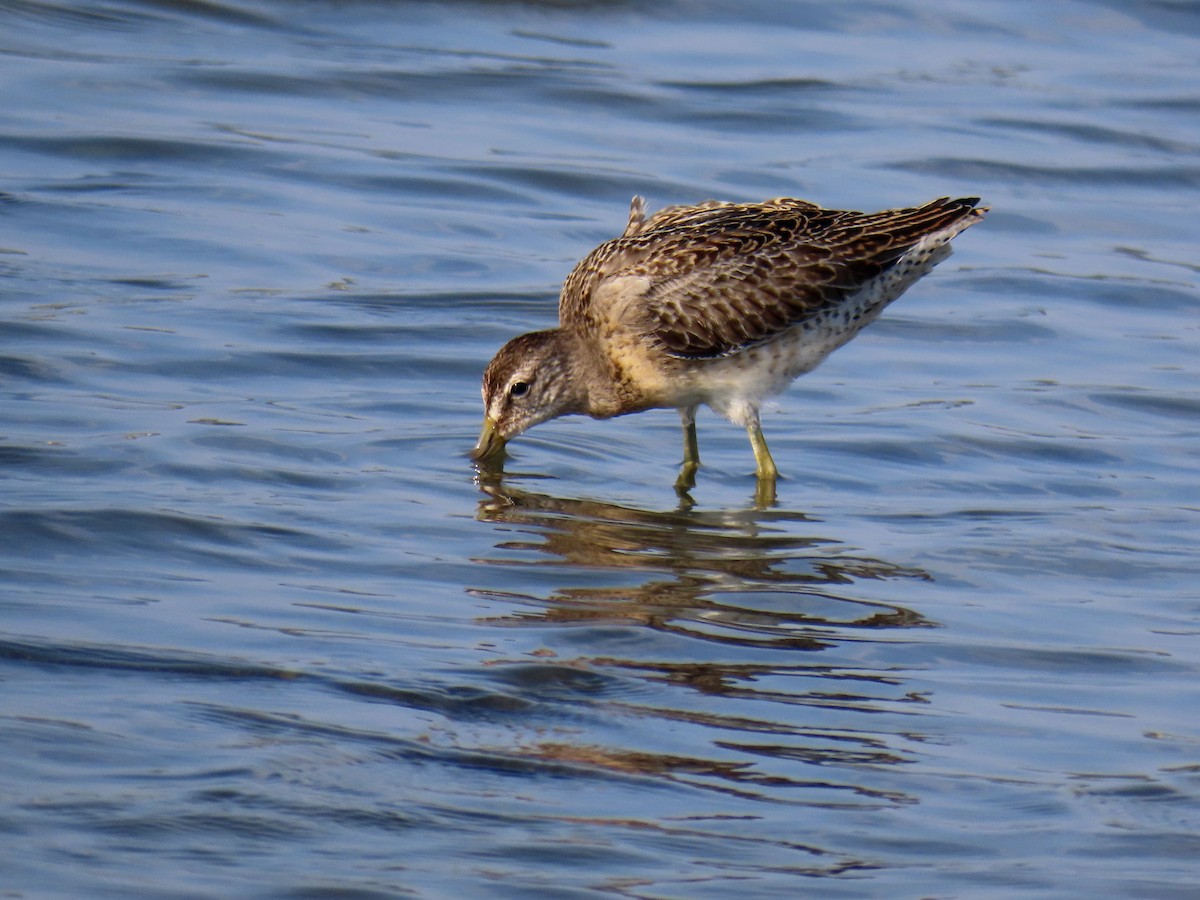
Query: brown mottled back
point(720, 277)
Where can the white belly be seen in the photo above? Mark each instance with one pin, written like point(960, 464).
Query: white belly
point(736, 386)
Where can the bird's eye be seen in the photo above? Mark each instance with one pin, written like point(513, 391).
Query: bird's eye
point(518, 389)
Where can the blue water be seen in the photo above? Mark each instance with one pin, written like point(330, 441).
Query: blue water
point(264, 632)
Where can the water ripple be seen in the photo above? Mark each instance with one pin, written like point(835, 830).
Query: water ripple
point(267, 632)
point(984, 171)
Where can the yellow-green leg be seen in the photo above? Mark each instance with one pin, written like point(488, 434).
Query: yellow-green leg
point(691, 451)
point(762, 456)
point(764, 493)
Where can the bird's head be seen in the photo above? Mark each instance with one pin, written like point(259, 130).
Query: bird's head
point(529, 381)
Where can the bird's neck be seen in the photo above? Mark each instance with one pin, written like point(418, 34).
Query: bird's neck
point(594, 382)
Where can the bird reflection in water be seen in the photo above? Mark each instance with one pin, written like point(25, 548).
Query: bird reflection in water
point(733, 576)
point(751, 591)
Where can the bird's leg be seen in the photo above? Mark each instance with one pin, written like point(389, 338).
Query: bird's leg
point(767, 473)
point(762, 456)
point(691, 447)
point(691, 451)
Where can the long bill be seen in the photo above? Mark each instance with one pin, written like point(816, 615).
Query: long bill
point(489, 449)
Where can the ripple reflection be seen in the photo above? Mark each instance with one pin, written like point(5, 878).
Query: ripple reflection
point(723, 596)
point(732, 576)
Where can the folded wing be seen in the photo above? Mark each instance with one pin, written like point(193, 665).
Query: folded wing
point(717, 278)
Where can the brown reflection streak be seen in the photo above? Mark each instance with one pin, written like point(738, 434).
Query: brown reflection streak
point(739, 777)
point(847, 748)
point(718, 680)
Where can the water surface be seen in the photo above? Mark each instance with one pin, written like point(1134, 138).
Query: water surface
point(264, 632)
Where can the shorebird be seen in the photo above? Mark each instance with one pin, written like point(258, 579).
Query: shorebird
point(723, 304)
